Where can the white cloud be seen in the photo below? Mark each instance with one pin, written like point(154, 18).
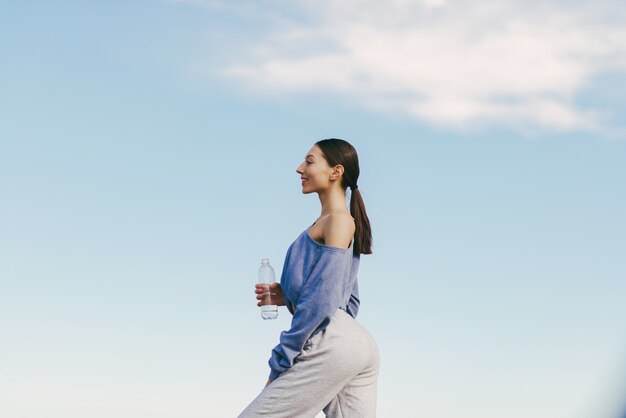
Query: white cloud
point(443, 62)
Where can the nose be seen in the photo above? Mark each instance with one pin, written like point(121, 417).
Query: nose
point(299, 169)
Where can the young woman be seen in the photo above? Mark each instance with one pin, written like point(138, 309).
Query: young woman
point(326, 360)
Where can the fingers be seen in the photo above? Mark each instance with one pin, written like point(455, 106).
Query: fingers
point(261, 291)
point(260, 286)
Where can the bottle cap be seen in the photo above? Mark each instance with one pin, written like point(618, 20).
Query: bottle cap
point(265, 260)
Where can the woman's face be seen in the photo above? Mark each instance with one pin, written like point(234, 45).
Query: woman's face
point(314, 172)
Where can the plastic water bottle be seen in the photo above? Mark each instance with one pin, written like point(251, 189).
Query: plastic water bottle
point(269, 309)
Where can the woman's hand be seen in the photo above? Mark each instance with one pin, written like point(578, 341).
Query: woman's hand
point(276, 292)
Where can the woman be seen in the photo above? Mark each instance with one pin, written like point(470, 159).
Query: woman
point(326, 360)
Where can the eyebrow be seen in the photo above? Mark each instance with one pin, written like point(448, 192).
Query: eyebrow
point(310, 155)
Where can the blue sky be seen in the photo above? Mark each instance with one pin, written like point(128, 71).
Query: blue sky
point(147, 163)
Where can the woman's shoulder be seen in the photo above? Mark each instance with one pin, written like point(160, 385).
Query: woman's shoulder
point(338, 229)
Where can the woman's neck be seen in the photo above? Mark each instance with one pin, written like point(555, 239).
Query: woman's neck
point(333, 200)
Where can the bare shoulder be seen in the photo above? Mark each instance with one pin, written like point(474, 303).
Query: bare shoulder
point(339, 230)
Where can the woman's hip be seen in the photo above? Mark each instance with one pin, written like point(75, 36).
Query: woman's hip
point(344, 343)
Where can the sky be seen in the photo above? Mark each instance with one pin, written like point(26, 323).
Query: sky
point(147, 163)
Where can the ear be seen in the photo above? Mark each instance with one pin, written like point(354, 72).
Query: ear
point(336, 172)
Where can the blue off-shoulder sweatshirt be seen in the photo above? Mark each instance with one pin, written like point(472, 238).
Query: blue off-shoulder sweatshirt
point(317, 280)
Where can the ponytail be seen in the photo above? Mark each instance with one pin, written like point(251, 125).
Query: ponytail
point(363, 232)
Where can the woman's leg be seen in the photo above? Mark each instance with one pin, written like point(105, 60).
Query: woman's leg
point(330, 360)
point(357, 399)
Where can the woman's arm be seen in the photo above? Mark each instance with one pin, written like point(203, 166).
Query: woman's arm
point(319, 298)
point(339, 231)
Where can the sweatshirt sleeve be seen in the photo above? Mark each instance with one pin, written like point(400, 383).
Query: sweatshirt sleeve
point(354, 302)
point(320, 296)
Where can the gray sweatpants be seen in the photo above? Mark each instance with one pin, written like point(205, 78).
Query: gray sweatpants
point(336, 371)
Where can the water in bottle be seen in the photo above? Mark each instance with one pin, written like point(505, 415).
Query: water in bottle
point(269, 309)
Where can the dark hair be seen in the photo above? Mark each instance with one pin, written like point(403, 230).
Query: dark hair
point(337, 151)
